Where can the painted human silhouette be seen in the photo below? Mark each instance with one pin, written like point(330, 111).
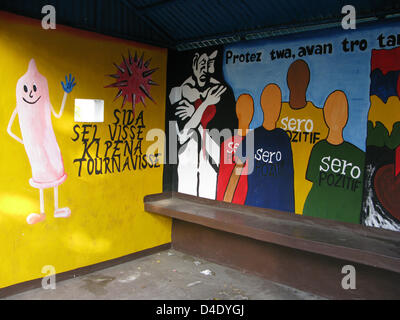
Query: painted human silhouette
point(335, 169)
point(244, 112)
point(34, 113)
point(298, 79)
point(270, 179)
point(305, 125)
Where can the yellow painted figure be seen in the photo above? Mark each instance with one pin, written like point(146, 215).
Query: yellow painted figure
point(305, 125)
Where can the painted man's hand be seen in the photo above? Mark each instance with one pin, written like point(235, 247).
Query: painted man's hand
point(184, 110)
point(214, 94)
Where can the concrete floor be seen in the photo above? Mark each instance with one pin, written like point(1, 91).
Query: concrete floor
point(168, 275)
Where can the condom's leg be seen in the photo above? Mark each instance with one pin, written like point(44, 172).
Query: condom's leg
point(60, 212)
point(34, 217)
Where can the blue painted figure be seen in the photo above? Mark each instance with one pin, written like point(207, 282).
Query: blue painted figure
point(270, 162)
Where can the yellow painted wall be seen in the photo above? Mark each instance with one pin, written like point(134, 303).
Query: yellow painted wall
point(108, 219)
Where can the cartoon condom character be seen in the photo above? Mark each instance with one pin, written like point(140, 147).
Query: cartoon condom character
point(34, 113)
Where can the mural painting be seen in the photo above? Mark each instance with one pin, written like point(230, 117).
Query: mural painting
point(34, 111)
point(202, 102)
point(98, 137)
point(381, 205)
point(122, 148)
point(133, 80)
point(321, 113)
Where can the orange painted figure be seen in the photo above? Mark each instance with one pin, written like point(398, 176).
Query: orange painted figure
point(244, 112)
point(335, 168)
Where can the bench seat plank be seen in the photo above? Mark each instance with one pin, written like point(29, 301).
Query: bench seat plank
point(356, 243)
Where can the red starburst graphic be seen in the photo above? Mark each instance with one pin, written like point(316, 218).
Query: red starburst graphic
point(134, 80)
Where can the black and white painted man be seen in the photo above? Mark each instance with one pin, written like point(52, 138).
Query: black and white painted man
point(202, 105)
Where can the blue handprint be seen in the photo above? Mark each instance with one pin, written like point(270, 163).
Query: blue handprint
point(69, 84)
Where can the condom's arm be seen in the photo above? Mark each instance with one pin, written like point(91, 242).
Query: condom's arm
point(10, 123)
point(68, 86)
point(58, 115)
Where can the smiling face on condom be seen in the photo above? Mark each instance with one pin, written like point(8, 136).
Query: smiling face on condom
point(32, 87)
point(32, 94)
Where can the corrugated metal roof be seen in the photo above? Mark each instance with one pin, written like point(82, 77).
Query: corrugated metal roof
point(187, 23)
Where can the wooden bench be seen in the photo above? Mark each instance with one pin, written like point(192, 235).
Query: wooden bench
point(302, 252)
